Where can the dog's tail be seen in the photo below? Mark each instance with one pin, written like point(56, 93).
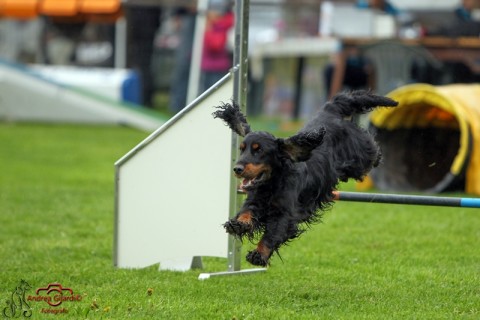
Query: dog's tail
point(357, 102)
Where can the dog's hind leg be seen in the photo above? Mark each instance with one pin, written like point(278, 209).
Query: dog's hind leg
point(261, 255)
point(276, 234)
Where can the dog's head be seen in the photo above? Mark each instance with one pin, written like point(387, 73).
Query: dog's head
point(261, 153)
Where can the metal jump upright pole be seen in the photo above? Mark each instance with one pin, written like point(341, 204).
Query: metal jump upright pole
point(240, 72)
point(240, 83)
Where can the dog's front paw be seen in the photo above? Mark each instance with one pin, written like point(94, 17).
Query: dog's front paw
point(237, 228)
point(257, 259)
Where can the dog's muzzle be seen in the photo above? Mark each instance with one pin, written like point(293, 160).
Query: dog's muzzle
point(253, 175)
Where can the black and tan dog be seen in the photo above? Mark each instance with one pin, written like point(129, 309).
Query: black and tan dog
point(289, 182)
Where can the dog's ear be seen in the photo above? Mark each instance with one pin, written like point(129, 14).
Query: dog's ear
point(299, 147)
point(233, 117)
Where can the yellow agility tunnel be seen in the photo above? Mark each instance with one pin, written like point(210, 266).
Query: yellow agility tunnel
point(431, 141)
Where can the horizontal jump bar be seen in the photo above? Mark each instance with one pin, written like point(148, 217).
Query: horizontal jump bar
point(407, 199)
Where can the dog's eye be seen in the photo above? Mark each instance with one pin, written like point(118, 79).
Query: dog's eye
point(242, 147)
point(256, 148)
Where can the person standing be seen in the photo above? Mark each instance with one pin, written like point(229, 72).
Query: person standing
point(216, 58)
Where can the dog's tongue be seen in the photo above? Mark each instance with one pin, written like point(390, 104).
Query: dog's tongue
point(245, 183)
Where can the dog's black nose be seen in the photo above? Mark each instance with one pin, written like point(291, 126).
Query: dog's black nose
point(238, 169)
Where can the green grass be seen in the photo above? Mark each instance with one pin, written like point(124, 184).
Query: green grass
point(363, 262)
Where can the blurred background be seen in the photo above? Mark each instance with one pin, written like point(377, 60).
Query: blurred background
point(91, 61)
point(293, 46)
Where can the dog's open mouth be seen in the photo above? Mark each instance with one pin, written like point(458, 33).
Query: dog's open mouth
point(252, 183)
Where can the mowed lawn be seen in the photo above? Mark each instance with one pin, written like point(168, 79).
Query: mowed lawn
point(365, 261)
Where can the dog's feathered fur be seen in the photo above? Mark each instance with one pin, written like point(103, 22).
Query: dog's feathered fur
point(289, 182)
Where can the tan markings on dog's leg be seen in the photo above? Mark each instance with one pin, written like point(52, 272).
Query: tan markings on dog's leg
point(264, 250)
point(245, 217)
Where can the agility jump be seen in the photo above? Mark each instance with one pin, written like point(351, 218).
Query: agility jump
point(408, 199)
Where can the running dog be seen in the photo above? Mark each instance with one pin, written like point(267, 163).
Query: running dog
point(289, 182)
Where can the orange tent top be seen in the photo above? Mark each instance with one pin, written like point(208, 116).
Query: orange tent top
point(22, 9)
point(26, 9)
point(99, 6)
point(59, 7)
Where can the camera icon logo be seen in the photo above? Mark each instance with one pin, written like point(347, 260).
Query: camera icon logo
point(55, 294)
